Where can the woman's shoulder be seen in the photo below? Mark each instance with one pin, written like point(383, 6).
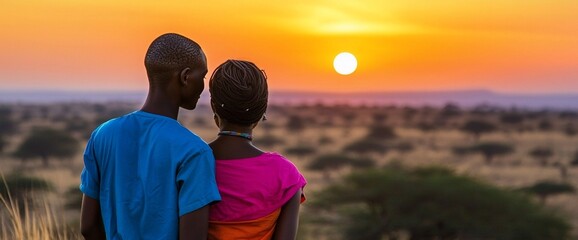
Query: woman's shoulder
point(276, 158)
point(280, 162)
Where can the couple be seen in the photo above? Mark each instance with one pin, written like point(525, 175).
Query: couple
point(147, 177)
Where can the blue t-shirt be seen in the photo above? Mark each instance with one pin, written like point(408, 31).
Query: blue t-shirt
point(147, 170)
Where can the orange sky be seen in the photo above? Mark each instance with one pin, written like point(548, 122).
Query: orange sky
point(507, 46)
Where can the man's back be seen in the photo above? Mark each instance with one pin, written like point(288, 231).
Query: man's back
point(147, 170)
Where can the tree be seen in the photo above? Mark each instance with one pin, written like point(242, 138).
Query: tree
point(492, 149)
point(268, 140)
point(7, 125)
point(332, 162)
point(426, 127)
point(512, 118)
point(546, 189)
point(478, 127)
point(574, 161)
point(366, 146)
point(325, 140)
point(545, 125)
point(348, 118)
point(542, 154)
point(450, 110)
point(570, 130)
point(432, 203)
point(45, 143)
point(379, 118)
point(301, 150)
point(381, 133)
point(403, 147)
point(3, 143)
point(295, 124)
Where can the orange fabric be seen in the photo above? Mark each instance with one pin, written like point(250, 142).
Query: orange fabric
point(258, 229)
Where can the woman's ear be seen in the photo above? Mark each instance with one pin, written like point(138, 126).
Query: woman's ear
point(184, 76)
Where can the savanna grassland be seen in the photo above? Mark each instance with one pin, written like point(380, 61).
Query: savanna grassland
point(533, 152)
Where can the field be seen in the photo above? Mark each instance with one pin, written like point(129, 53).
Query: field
point(542, 146)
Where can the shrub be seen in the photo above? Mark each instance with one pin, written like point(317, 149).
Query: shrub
point(546, 189)
point(478, 127)
point(45, 143)
point(366, 146)
point(542, 154)
point(301, 150)
point(268, 140)
point(432, 203)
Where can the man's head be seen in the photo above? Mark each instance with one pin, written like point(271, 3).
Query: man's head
point(239, 92)
point(176, 65)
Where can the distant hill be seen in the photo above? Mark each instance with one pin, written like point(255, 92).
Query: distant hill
point(466, 98)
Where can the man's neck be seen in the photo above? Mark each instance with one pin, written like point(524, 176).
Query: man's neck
point(161, 105)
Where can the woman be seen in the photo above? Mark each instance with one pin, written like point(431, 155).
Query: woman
point(261, 191)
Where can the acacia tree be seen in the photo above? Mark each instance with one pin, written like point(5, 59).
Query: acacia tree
point(46, 143)
point(366, 146)
point(332, 162)
point(432, 203)
point(295, 124)
point(546, 189)
point(478, 127)
point(301, 150)
point(381, 133)
point(542, 154)
point(268, 140)
point(490, 150)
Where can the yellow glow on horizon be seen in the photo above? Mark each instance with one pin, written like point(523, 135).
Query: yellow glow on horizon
point(437, 44)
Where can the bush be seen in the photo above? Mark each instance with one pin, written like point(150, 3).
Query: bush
point(478, 127)
point(366, 146)
point(574, 161)
point(492, 149)
point(300, 150)
point(47, 142)
point(546, 189)
point(432, 203)
point(268, 140)
point(332, 162)
point(381, 133)
point(542, 154)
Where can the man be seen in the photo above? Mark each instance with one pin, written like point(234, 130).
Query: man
point(145, 176)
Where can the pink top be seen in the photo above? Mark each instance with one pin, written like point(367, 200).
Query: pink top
point(253, 188)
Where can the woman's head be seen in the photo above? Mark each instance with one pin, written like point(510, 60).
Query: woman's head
point(239, 92)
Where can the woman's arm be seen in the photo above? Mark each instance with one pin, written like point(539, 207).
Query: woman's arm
point(91, 225)
point(286, 228)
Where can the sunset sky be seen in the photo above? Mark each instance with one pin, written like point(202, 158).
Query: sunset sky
point(501, 45)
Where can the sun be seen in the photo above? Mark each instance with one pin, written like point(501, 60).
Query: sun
point(345, 63)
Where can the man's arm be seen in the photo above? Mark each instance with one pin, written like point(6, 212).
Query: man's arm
point(288, 221)
point(91, 225)
point(194, 225)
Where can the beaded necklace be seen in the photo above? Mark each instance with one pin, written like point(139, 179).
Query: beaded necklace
point(247, 136)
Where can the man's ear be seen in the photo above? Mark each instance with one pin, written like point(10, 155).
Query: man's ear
point(184, 75)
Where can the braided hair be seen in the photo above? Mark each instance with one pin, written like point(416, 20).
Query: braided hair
point(239, 92)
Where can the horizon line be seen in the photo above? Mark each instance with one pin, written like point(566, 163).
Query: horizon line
point(465, 90)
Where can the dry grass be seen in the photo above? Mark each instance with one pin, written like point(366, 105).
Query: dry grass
point(30, 222)
point(431, 148)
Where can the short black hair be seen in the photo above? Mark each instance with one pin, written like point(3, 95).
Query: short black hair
point(239, 92)
point(172, 51)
